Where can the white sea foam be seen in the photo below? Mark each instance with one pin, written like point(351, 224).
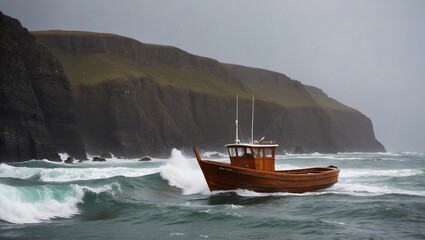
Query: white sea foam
point(177, 234)
point(356, 173)
point(63, 156)
point(34, 204)
point(355, 156)
point(323, 156)
point(67, 174)
point(357, 189)
point(280, 166)
point(361, 182)
point(111, 188)
point(248, 193)
point(353, 189)
point(184, 173)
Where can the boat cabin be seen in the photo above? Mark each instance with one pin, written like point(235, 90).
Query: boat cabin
point(254, 156)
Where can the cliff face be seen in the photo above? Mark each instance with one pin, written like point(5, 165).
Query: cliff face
point(320, 123)
point(37, 109)
point(133, 117)
point(137, 99)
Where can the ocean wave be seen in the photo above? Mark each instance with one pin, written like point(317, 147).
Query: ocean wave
point(358, 189)
point(352, 189)
point(356, 173)
point(355, 155)
point(35, 204)
point(184, 173)
point(320, 156)
point(285, 166)
point(40, 163)
point(68, 174)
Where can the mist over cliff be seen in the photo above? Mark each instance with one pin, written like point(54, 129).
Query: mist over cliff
point(136, 99)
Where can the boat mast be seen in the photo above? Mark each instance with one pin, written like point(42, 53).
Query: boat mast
point(237, 110)
point(252, 121)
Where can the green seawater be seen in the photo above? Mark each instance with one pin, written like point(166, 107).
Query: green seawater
point(378, 196)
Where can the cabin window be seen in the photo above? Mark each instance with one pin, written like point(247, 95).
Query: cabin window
point(269, 152)
point(232, 152)
point(248, 152)
point(241, 152)
point(258, 152)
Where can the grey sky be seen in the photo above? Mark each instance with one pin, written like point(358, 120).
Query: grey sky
point(368, 54)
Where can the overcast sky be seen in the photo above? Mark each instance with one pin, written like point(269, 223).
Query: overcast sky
point(367, 54)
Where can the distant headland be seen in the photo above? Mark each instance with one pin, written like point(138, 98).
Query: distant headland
point(78, 92)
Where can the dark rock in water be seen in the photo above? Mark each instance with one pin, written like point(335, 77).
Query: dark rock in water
point(106, 155)
point(37, 113)
point(69, 160)
point(147, 158)
point(98, 159)
point(298, 150)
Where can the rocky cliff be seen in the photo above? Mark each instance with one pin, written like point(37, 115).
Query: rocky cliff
point(37, 111)
point(137, 99)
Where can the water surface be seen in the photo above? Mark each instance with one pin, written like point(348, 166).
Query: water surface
point(378, 196)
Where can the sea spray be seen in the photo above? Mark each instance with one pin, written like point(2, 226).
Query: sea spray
point(184, 173)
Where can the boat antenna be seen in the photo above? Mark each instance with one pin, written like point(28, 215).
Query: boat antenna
point(237, 141)
point(252, 121)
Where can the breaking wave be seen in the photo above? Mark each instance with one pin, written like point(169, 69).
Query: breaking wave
point(184, 173)
point(34, 204)
point(68, 174)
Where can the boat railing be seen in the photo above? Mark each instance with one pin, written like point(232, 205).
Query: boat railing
point(265, 142)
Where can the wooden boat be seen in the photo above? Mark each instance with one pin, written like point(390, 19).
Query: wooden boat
point(252, 167)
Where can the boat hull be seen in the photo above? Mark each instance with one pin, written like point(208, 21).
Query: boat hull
point(223, 176)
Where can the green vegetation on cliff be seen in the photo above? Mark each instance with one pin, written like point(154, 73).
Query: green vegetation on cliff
point(168, 66)
point(91, 69)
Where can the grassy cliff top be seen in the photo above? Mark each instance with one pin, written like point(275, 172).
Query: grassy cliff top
point(90, 58)
point(70, 33)
point(91, 69)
